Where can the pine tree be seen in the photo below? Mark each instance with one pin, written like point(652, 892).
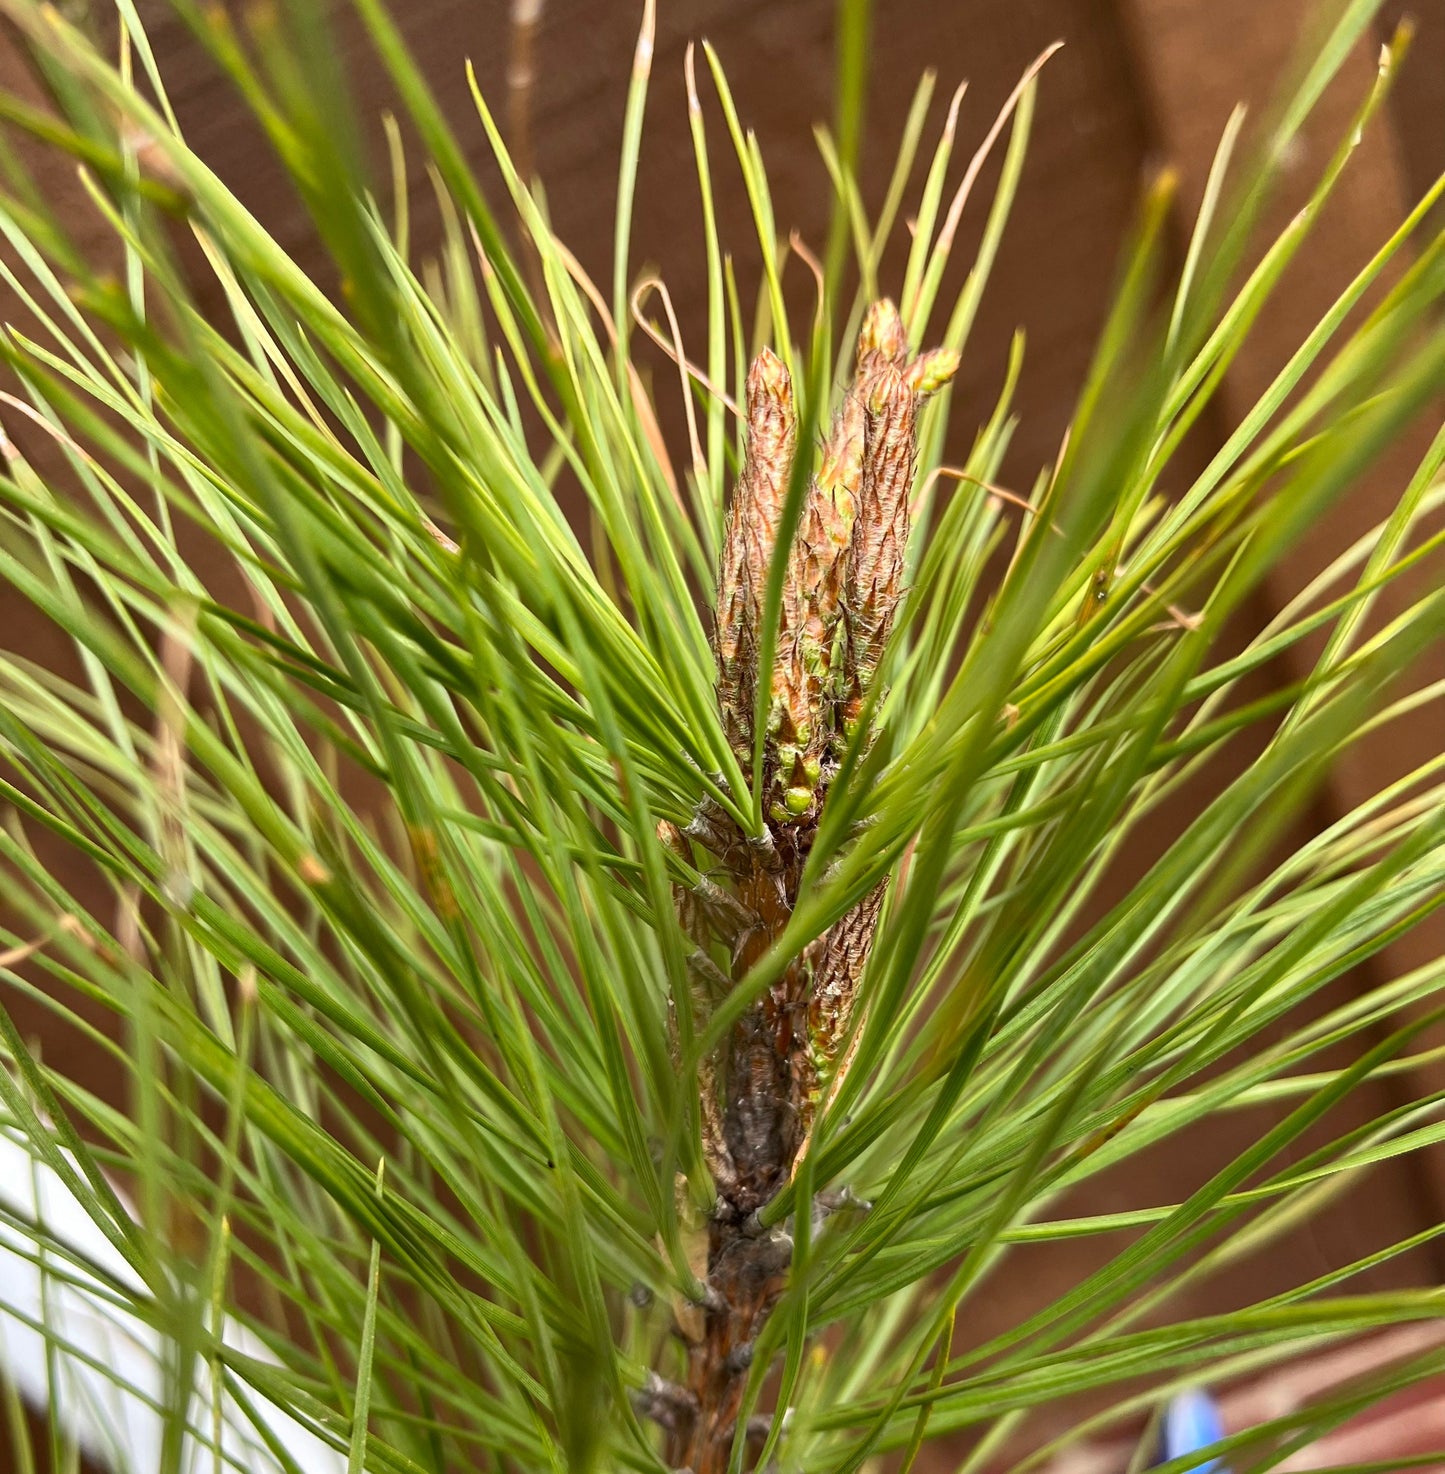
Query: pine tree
point(607, 994)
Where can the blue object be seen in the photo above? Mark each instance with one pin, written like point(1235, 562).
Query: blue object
point(1192, 1421)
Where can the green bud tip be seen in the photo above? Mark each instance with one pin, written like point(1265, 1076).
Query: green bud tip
point(930, 372)
point(769, 378)
point(798, 801)
point(882, 331)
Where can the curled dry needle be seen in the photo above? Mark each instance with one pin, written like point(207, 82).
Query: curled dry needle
point(843, 583)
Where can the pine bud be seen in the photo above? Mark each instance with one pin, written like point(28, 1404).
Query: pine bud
point(874, 572)
point(848, 555)
point(833, 1006)
point(929, 372)
point(891, 391)
point(812, 595)
point(809, 688)
point(748, 542)
point(882, 333)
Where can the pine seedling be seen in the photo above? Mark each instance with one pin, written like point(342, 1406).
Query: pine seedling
point(616, 989)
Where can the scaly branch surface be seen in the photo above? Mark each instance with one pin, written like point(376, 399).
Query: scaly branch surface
point(762, 1091)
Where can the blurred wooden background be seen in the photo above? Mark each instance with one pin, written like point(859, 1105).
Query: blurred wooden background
point(1138, 83)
